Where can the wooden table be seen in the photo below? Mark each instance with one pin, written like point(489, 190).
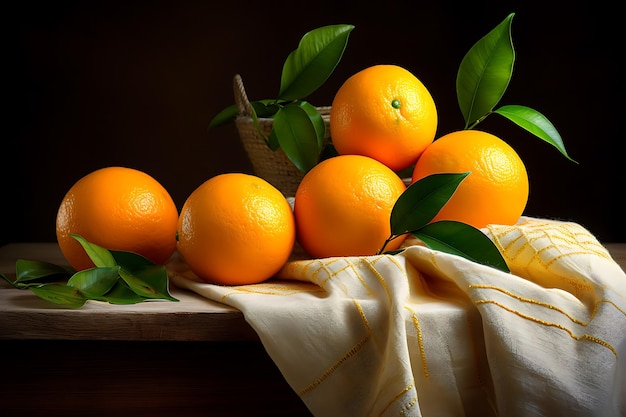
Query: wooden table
point(194, 318)
point(190, 358)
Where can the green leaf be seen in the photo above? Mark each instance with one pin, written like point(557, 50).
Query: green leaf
point(316, 120)
point(485, 72)
point(29, 270)
point(149, 282)
point(95, 282)
point(121, 294)
point(100, 256)
point(328, 151)
point(60, 294)
point(422, 200)
point(125, 278)
point(266, 108)
point(263, 108)
point(297, 136)
point(131, 261)
point(143, 276)
point(313, 61)
point(463, 240)
point(535, 123)
point(9, 281)
point(272, 140)
point(227, 115)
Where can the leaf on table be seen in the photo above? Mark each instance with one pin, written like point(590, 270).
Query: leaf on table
point(9, 281)
point(95, 282)
point(58, 293)
point(130, 260)
point(142, 276)
point(121, 294)
point(100, 256)
point(27, 270)
point(151, 283)
point(129, 278)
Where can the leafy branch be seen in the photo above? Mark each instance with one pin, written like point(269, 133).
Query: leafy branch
point(482, 79)
point(298, 128)
point(117, 278)
point(420, 203)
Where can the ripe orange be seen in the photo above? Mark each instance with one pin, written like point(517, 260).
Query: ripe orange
point(343, 207)
point(383, 112)
point(496, 190)
point(236, 229)
point(117, 208)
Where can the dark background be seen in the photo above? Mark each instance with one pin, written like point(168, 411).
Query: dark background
point(100, 83)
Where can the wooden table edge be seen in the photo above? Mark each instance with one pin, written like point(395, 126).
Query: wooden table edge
point(194, 318)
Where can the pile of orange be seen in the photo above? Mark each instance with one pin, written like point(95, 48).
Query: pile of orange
point(238, 229)
point(233, 229)
point(384, 113)
point(381, 120)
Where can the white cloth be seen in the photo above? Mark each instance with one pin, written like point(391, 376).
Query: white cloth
point(425, 333)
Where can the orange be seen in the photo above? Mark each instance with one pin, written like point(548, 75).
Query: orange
point(343, 207)
point(386, 113)
point(236, 229)
point(120, 209)
point(496, 190)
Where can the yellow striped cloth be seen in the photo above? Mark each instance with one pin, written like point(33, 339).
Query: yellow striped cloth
point(425, 333)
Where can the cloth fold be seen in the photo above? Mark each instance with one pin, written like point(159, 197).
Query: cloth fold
point(425, 333)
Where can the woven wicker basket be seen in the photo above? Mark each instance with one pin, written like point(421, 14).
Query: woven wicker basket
point(272, 166)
